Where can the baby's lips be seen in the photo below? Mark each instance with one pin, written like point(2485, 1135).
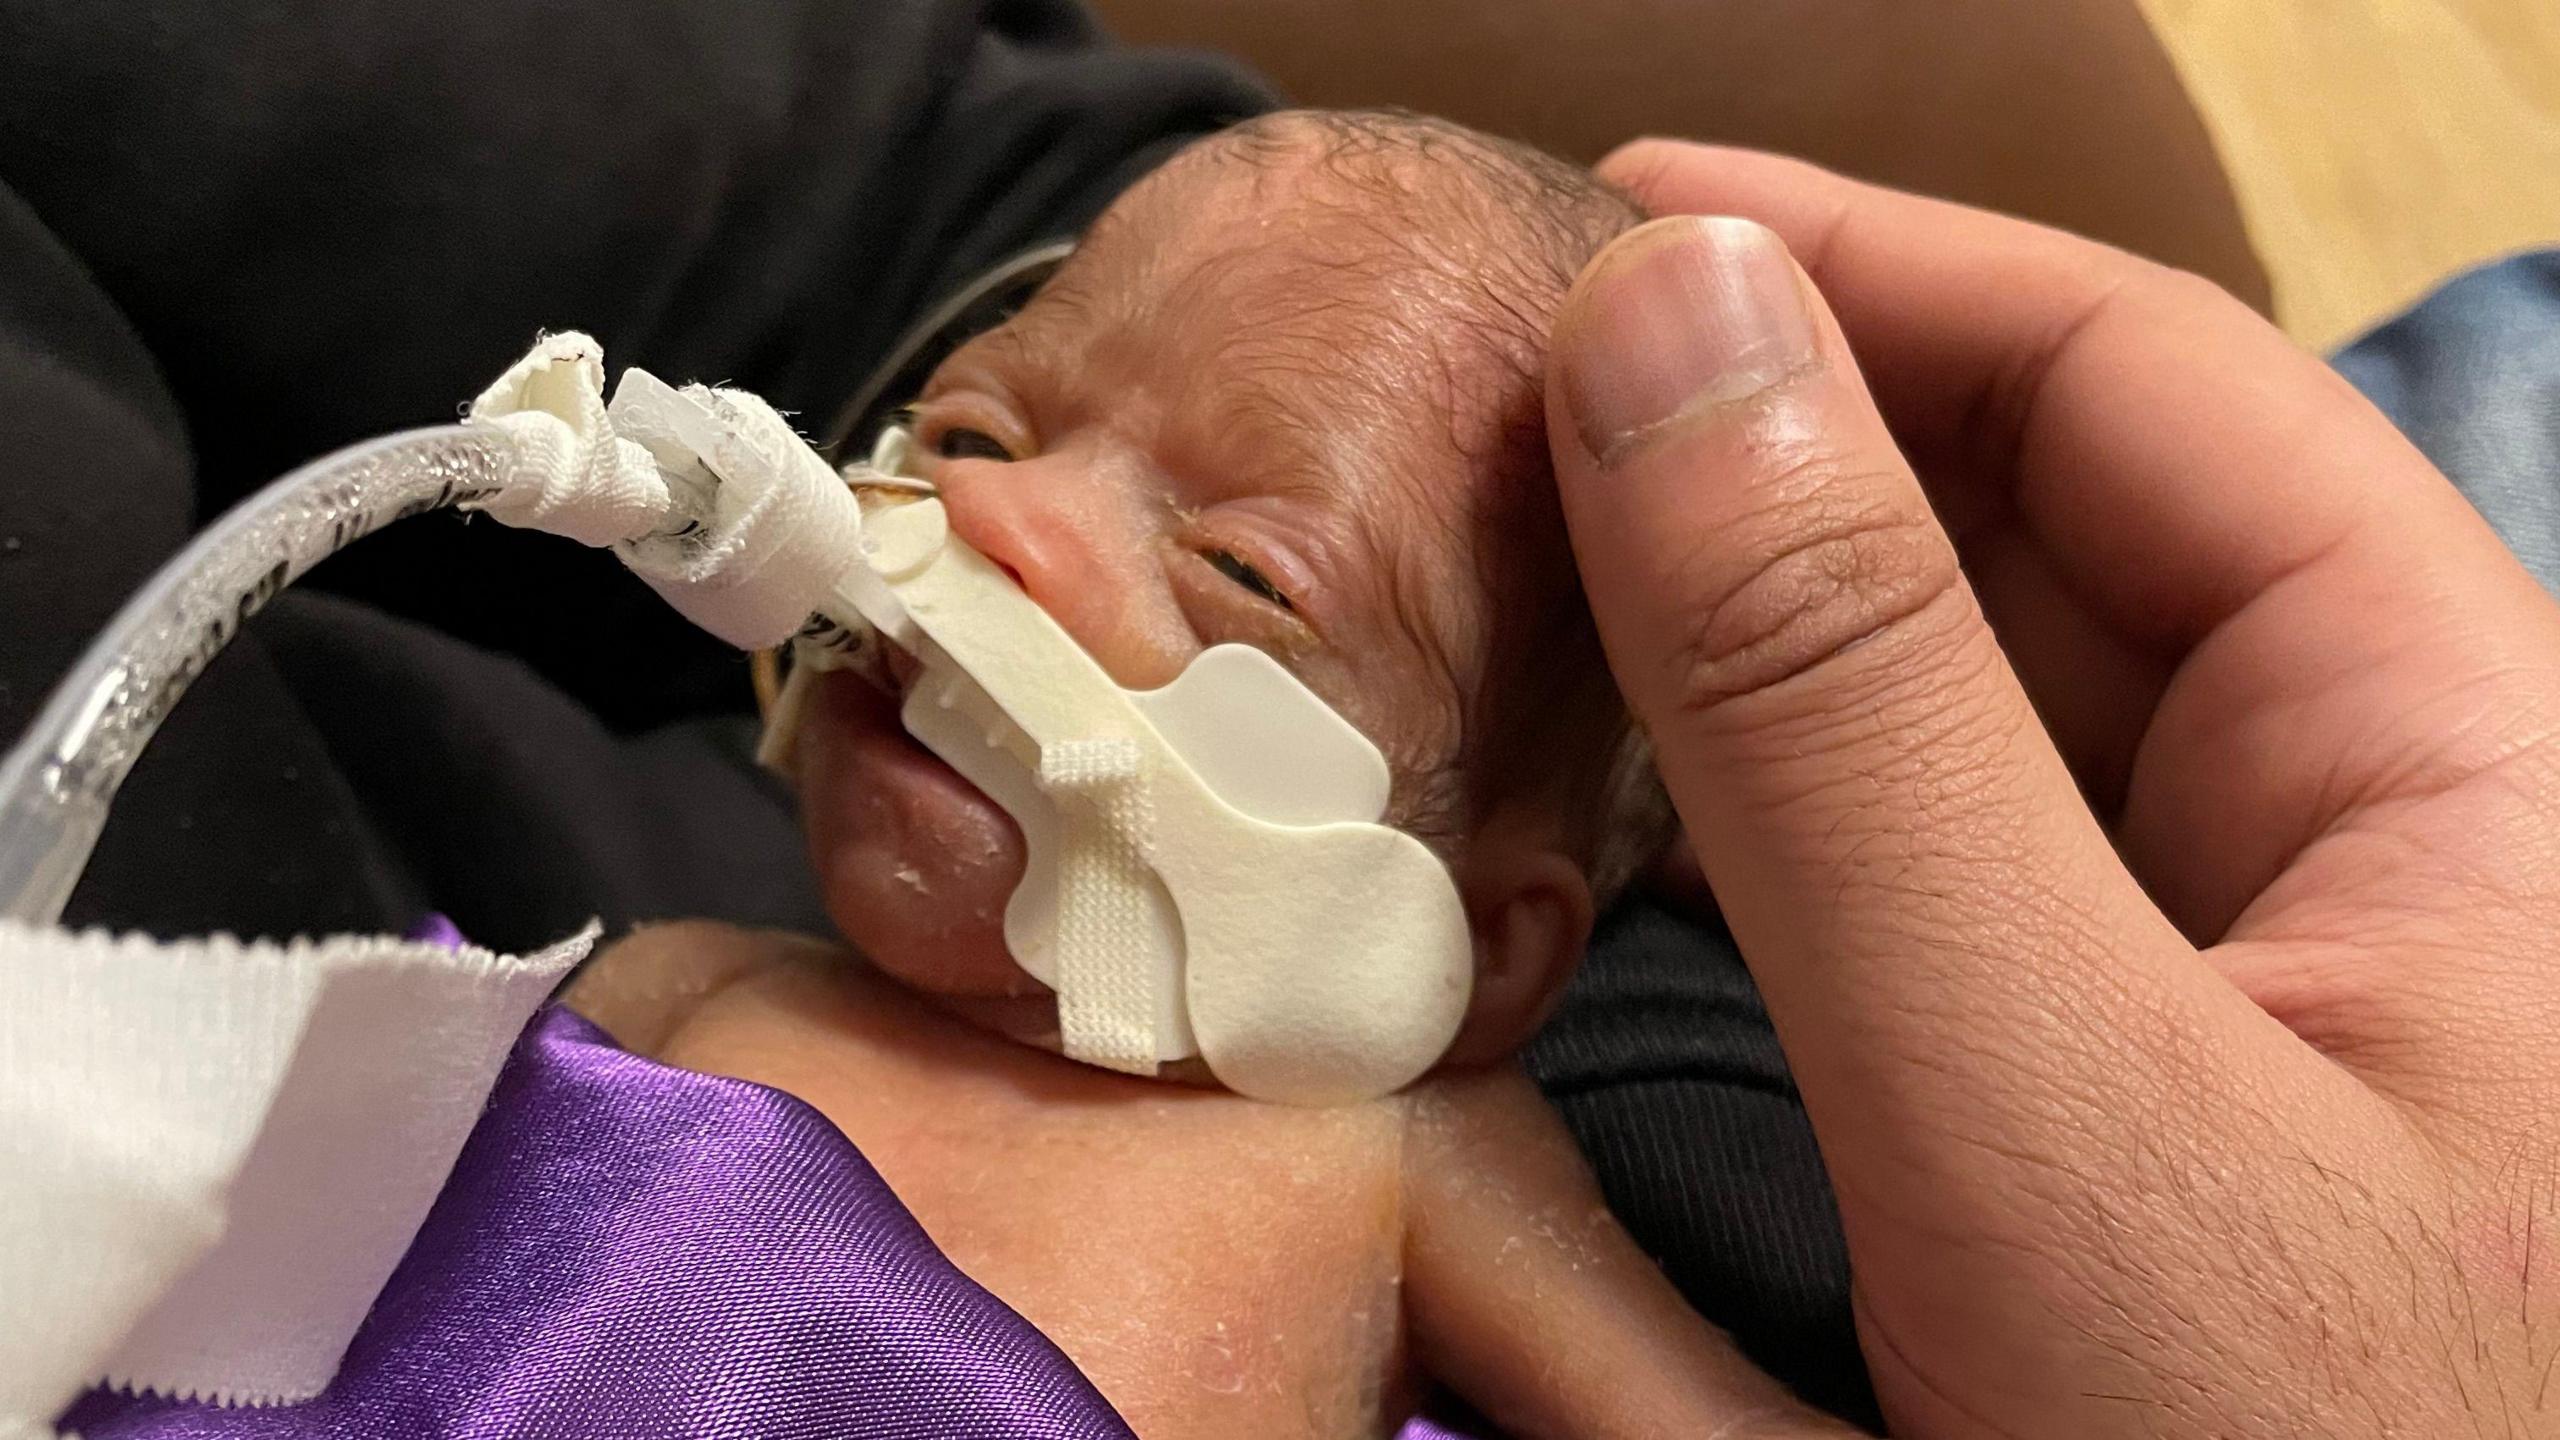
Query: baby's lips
point(915, 863)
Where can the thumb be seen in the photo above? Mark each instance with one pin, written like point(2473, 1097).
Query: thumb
point(1889, 830)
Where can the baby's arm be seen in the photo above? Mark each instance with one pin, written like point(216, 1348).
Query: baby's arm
point(1526, 1297)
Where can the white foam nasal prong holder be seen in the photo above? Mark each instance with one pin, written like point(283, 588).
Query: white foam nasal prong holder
point(1207, 871)
point(1205, 868)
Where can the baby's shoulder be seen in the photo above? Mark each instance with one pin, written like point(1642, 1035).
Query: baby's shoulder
point(644, 989)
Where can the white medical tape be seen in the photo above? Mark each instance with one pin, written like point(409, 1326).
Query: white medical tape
point(780, 528)
point(709, 495)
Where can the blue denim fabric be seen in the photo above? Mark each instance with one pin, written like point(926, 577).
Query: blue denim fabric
point(2473, 376)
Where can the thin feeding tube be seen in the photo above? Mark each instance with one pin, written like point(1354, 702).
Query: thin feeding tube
point(56, 784)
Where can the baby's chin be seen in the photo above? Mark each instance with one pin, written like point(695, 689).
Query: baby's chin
point(914, 863)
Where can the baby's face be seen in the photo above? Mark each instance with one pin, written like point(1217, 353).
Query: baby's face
point(1235, 415)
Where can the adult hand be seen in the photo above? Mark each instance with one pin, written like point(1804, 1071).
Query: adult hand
point(2133, 774)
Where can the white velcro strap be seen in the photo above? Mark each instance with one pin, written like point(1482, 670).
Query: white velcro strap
point(1106, 986)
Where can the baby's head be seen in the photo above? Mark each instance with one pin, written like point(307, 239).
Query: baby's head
point(1288, 392)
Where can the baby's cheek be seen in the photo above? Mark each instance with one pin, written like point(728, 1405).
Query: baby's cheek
point(1404, 711)
point(915, 866)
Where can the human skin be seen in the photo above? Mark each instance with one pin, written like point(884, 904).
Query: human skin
point(1218, 1266)
point(2133, 776)
point(1280, 396)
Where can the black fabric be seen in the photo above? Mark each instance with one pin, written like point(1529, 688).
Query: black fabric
point(238, 233)
point(1663, 1063)
point(235, 234)
point(329, 220)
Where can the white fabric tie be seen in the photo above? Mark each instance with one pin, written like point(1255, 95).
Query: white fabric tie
point(573, 475)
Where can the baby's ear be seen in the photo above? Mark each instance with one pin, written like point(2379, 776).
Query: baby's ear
point(1529, 907)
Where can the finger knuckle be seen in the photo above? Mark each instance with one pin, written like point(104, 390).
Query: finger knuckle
point(1647, 166)
point(1802, 585)
point(2176, 289)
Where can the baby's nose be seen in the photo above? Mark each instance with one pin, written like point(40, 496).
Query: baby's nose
point(1079, 545)
point(1025, 521)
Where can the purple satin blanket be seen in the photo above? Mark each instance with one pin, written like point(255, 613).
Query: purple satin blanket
point(627, 1251)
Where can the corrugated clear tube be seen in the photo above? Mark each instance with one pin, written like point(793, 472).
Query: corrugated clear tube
point(55, 786)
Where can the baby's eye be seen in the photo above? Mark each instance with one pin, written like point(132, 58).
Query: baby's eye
point(1226, 563)
point(962, 443)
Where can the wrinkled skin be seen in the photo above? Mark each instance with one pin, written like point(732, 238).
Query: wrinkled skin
point(2133, 775)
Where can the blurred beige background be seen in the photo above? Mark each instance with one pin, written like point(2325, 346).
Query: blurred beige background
point(2376, 145)
point(2372, 147)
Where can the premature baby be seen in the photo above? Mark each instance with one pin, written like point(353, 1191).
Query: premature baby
point(1286, 392)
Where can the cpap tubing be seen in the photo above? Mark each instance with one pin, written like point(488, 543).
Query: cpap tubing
point(56, 784)
point(570, 474)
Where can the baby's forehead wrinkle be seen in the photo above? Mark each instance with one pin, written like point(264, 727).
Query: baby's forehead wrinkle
point(1108, 282)
point(1014, 357)
point(1014, 347)
point(1069, 299)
